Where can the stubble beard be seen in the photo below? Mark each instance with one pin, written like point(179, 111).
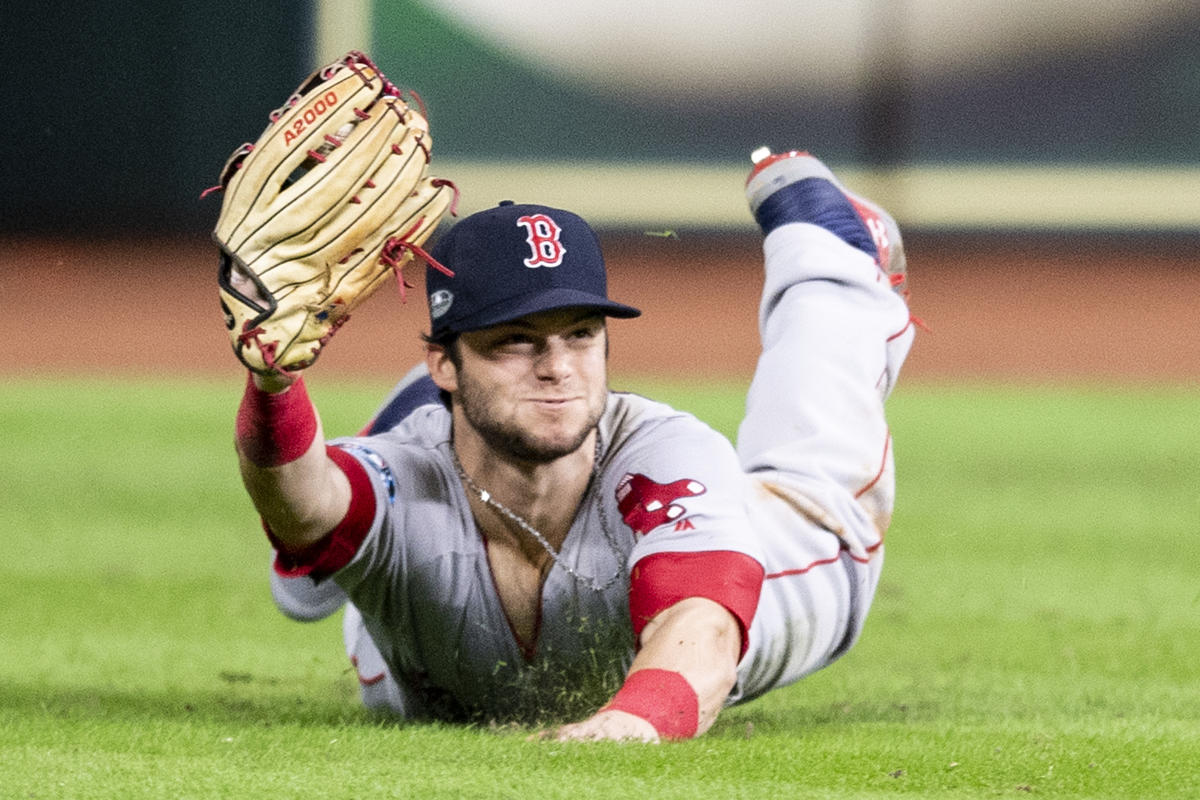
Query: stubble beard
point(513, 440)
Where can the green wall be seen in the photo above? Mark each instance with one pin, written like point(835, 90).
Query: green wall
point(119, 114)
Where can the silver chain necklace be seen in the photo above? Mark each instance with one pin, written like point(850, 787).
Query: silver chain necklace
point(486, 497)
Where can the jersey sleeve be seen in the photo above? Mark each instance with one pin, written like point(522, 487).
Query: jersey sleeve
point(682, 493)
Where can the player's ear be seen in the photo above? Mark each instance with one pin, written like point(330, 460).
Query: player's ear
point(442, 367)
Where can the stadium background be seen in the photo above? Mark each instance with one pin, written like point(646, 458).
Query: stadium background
point(1042, 161)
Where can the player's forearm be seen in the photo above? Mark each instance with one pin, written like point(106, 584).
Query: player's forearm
point(700, 640)
point(299, 492)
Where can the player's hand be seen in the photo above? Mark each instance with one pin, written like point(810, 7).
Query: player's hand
point(604, 726)
point(243, 284)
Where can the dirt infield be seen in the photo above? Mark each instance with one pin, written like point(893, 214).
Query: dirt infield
point(1032, 311)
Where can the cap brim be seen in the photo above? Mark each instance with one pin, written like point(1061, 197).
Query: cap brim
point(536, 302)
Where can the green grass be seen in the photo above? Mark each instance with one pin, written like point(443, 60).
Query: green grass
point(1036, 631)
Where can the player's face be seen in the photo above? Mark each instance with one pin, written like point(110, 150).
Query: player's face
point(534, 388)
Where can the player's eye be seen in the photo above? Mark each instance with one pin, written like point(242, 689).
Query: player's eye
point(512, 340)
point(586, 334)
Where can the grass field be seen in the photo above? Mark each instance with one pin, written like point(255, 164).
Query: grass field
point(1037, 630)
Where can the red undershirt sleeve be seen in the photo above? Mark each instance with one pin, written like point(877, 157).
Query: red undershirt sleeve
point(728, 578)
point(335, 549)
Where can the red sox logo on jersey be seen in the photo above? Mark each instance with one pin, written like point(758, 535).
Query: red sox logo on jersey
point(542, 234)
point(645, 504)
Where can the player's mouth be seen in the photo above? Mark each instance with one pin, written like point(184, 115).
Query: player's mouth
point(553, 404)
point(552, 401)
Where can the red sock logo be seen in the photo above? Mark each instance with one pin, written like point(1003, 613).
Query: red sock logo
point(645, 503)
point(878, 231)
point(542, 234)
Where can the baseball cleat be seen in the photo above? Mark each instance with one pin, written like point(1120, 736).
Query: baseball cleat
point(795, 186)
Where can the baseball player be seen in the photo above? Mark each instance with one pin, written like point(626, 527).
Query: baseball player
point(514, 541)
point(540, 545)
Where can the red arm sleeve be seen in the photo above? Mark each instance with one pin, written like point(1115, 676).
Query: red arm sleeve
point(731, 579)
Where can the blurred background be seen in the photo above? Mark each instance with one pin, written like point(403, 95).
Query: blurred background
point(966, 113)
point(981, 124)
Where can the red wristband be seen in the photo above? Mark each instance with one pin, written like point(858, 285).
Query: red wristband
point(275, 429)
point(663, 698)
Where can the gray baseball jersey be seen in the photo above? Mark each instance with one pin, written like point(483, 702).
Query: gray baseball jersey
point(420, 576)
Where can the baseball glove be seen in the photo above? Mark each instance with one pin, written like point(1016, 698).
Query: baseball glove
point(332, 199)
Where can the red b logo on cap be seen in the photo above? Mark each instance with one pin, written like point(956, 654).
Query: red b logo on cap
point(542, 235)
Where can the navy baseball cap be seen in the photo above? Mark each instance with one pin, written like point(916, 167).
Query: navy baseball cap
point(514, 260)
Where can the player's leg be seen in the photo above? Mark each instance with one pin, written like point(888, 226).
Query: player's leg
point(378, 689)
point(415, 389)
point(835, 331)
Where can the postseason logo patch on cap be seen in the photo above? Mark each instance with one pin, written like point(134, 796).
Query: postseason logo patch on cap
point(439, 303)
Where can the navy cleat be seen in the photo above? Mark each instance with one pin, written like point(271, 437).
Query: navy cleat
point(796, 187)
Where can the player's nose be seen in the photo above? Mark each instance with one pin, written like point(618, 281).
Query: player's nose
point(554, 361)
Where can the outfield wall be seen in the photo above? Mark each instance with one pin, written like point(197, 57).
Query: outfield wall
point(1080, 309)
